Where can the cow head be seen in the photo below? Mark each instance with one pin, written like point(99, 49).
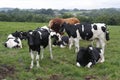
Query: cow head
point(62, 27)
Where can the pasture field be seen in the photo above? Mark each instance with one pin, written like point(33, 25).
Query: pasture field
point(14, 63)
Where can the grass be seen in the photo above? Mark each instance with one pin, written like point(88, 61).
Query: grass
point(62, 67)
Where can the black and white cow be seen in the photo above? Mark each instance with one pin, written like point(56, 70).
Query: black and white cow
point(14, 40)
point(37, 41)
point(64, 41)
point(89, 56)
point(58, 40)
point(85, 31)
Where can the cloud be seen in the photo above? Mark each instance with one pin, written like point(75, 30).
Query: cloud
point(60, 4)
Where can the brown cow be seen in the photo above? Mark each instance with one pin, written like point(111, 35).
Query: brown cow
point(55, 23)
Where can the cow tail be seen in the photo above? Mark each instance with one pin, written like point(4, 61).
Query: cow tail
point(106, 31)
point(107, 35)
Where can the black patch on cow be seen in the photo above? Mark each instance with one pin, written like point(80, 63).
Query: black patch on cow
point(70, 29)
point(65, 39)
point(16, 40)
point(103, 29)
point(95, 27)
point(87, 33)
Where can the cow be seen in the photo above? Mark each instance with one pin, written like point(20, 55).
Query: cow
point(38, 40)
point(85, 31)
point(62, 42)
point(89, 56)
point(14, 40)
point(55, 23)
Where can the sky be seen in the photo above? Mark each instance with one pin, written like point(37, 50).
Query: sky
point(60, 4)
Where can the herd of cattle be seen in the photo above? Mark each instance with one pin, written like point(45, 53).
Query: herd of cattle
point(52, 35)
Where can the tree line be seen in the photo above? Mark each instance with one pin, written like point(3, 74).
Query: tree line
point(110, 16)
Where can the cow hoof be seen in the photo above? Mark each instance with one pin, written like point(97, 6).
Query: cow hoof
point(102, 61)
point(31, 67)
point(38, 66)
point(61, 46)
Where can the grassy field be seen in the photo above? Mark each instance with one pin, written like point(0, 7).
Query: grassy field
point(14, 63)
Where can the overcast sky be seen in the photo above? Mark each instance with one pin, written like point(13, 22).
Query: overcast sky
point(60, 4)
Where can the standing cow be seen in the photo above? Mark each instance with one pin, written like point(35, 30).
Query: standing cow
point(37, 41)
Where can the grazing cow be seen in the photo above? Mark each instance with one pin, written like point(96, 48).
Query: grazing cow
point(91, 32)
point(14, 40)
point(55, 24)
point(37, 41)
point(89, 56)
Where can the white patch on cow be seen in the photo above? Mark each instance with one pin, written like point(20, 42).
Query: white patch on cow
point(59, 37)
point(53, 33)
point(78, 64)
point(89, 64)
point(30, 33)
point(82, 28)
point(40, 34)
point(91, 48)
point(62, 46)
point(10, 36)
point(45, 27)
point(10, 43)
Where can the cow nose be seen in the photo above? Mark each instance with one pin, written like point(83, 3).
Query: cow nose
point(5, 44)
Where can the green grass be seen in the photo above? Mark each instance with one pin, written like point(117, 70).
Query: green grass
point(62, 67)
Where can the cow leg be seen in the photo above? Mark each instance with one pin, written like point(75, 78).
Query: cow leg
point(103, 50)
point(20, 43)
point(102, 59)
point(78, 64)
point(37, 59)
point(32, 57)
point(89, 64)
point(76, 44)
point(50, 48)
point(42, 52)
point(70, 42)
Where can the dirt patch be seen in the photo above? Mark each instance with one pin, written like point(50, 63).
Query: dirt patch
point(39, 78)
point(91, 77)
point(6, 71)
point(55, 77)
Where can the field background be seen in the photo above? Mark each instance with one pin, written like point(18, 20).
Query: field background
point(63, 66)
